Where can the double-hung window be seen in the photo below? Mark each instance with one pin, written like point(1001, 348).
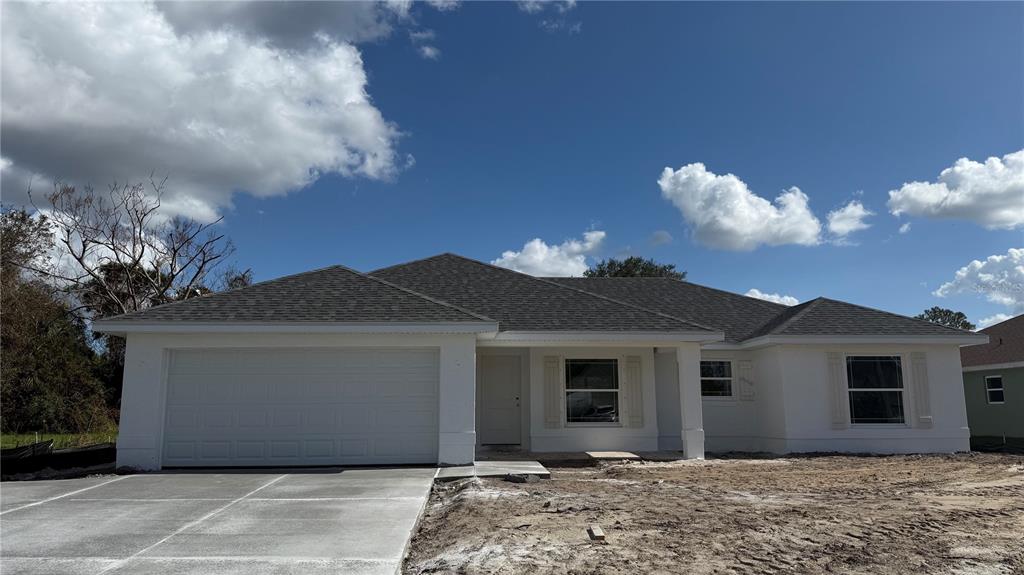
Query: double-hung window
point(716, 378)
point(591, 391)
point(994, 389)
point(876, 388)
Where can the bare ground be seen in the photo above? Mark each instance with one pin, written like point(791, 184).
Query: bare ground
point(961, 514)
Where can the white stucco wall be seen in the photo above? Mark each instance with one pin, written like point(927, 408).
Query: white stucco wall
point(808, 414)
point(611, 437)
point(140, 437)
point(791, 406)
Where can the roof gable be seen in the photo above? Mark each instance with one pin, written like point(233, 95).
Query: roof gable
point(334, 294)
point(521, 302)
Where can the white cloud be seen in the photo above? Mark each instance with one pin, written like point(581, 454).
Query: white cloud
point(540, 259)
point(559, 9)
point(98, 92)
point(443, 5)
point(660, 238)
point(1000, 278)
point(905, 228)
point(989, 194)
point(994, 319)
point(848, 219)
point(724, 213)
point(429, 52)
point(772, 297)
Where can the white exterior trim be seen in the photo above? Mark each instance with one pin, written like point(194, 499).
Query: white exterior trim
point(966, 339)
point(989, 366)
point(631, 338)
point(124, 327)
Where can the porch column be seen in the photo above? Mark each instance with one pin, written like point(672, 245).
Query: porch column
point(688, 363)
point(457, 402)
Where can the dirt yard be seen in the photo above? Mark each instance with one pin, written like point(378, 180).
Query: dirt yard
point(960, 514)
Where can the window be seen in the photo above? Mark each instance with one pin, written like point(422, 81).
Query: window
point(591, 391)
point(716, 378)
point(876, 388)
point(994, 388)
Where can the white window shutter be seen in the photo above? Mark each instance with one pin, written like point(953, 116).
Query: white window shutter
point(840, 396)
point(746, 379)
point(633, 388)
point(552, 392)
point(922, 400)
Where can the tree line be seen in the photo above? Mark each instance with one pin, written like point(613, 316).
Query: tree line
point(83, 255)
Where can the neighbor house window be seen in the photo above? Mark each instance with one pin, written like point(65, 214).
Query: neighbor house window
point(716, 378)
point(876, 388)
point(591, 391)
point(994, 388)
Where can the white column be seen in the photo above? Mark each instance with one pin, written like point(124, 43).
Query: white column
point(690, 408)
point(140, 432)
point(457, 437)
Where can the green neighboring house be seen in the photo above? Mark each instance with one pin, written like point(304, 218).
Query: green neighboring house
point(994, 386)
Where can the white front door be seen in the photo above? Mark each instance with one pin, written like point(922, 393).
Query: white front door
point(500, 386)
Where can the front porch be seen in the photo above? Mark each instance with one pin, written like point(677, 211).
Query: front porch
point(574, 399)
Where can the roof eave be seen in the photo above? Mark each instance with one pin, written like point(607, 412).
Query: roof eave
point(952, 339)
point(631, 338)
point(122, 328)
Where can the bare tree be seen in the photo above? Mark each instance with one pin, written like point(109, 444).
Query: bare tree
point(116, 252)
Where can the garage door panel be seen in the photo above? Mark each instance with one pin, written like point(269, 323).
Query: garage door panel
point(301, 407)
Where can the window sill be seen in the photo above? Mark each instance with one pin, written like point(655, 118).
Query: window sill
point(903, 425)
point(585, 424)
point(728, 398)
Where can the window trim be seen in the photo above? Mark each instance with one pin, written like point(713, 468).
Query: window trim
point(566, 390)
point(905, 399)
point(731, 379)
point(988, 390)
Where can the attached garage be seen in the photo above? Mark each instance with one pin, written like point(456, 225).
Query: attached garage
point(301, 406)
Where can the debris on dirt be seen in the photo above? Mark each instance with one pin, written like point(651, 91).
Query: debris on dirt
point(595, 532)
point(521, 478)
point(886, 515)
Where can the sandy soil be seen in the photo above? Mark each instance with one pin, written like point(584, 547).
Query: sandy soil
point(960, 514)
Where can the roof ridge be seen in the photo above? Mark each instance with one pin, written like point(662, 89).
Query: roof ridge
point(807, 305)
point(222, 293)
point(420, 295)
point(764, 302)
point(933, 324)
point(590, 293)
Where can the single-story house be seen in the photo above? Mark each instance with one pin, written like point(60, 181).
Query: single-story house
point(427, 361)
point(994, 385)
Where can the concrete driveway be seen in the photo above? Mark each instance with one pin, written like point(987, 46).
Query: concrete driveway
point(337, 521)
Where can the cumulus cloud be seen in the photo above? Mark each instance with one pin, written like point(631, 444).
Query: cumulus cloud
point(989, 194)
point(905, 228)
point(772, 297)
point(660, 238)
point(540, 259)
point(724, 213)
point(423, 39)
point(848, 219)
point(559, 11)
point(1000, 278)
point(994, 319)
point(98, 92)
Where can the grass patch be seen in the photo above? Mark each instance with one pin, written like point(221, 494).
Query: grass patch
point(60, 440)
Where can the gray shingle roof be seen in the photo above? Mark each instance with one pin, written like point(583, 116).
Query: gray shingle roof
point(520, 302)
point(1005, 345)
point(824, 316)
point(736, 315)
point(333, 294)
point(743, 318)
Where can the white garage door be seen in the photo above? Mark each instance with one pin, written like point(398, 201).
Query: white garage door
point(323, 406)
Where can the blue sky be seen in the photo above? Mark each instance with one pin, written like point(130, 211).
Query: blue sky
point(553, 122)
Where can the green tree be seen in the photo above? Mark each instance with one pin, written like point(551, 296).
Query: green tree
point(632, 267)
point(946, 317)
point(48, 381)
